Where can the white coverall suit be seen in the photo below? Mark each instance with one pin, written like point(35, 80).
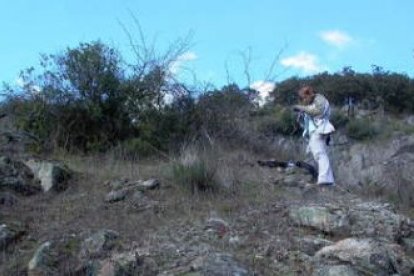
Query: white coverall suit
point(317, 126)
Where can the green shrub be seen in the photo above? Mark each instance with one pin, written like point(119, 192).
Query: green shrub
point(280, 122)
point(361, 129)
point(339, 119)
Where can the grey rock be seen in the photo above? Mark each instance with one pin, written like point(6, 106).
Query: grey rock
point(218, 264)
point(370, 219)
point(52, 175)
point(99, 244)
point(143, 185)
point(149, 184)
point(408, 244)
point(129, 263)
point(335, 270)
point(311, 244)
point(56, 258)
point(360, 219)
point(117, 183)
point(235, 241)
point(138, 197)
point(140, 202)
point(39, 260)
point(16, 176)
point(326, 219)
point(117, 195)
point(217, 226)
point(9, 234)
point(382, 162)
point(369, 256)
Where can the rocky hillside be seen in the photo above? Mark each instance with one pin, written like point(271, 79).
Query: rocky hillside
point(99, 216)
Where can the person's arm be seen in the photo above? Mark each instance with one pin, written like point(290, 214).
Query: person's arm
point(316, 108)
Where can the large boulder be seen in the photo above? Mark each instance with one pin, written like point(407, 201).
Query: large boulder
point(360, 219)
point(370, 219)
point(368, 256)
point(52, 175)
point(329, 219)
point(16, 176)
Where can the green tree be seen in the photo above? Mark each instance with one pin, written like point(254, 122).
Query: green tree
point(76, 100)
point(222, 112)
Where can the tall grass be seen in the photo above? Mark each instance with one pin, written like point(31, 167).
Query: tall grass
point(195, 170)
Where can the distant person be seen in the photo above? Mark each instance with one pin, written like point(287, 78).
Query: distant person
point(317, 128)
point(351, 109)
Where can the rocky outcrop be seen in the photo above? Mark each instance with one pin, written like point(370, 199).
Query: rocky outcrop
point(381, 163)
point(53, 176)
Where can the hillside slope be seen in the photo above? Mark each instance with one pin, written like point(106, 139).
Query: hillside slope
point(124, 218)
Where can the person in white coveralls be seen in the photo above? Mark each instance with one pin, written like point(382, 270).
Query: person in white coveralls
point(317, 128)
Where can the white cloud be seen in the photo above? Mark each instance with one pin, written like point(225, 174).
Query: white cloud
point(177, 64)
point(336, 38)
point(306, 62)
point(264, 88)
point(24, 85)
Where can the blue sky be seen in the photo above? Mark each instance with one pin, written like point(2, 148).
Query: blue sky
point(315, 35)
